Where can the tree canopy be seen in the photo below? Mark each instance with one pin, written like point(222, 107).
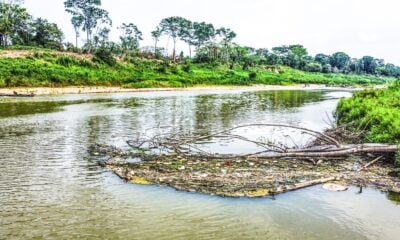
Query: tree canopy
point(87, 15)
point(209, 43)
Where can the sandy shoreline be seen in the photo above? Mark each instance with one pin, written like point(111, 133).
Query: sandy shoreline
point(85, 90)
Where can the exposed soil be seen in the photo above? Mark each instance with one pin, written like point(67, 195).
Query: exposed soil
point(116, 89)
point(26, 53)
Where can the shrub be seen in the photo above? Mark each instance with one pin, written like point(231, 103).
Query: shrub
point(187, 68)
point(163, 67)
point(397, 161)
point(313, 67)
point(376, 111)
point(252, 76)
point(104, 55)
point(65, 61)
point(174, 69)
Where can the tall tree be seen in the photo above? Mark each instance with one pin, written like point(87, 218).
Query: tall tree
point(282, 53)
point(298, 50)
point(172, 27)
point(340, 60)
point(298, 54)
point(91, 14)
point(226, 35)
point(131, 35)
point(322, 59)
point(203, 32)
point(77, 22)
point(186, 34)
point(101, 37)
point(156, 34)
point(369, 64)
point(46, 34)
point(13, 19)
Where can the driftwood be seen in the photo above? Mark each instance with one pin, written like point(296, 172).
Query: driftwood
point(189, 145)
point(330, 151)
point(301, 185)
point(370, 163)
point(180, 160)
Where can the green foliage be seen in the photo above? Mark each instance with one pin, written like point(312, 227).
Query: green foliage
point(87, 15)
point(376, 111)
point(13, 23)
point(252, 76)
point(211, 44)
point(105, 55)
point(18, 27)
point(52, 68)
point(340, 60)
point(66, 61)
point(187, 67)
point(397, 161)
point(313, 67)
point(131, 35)
point(47, 35)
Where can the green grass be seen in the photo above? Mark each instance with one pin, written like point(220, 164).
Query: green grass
point(376, 111)
point(50, 68)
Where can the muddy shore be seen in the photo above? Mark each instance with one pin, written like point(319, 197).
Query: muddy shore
point(99, 89)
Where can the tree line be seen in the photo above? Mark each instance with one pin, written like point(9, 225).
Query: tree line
point(18, 27)
point(209, 43)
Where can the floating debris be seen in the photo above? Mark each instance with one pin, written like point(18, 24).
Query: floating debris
point(180, 163)
point(334, 187)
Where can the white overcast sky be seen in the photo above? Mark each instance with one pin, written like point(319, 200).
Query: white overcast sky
point(357, 27)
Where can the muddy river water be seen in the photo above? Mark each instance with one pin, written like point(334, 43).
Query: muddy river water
point(51, 188)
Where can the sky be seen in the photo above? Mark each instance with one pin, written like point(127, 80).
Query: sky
point(357, 27)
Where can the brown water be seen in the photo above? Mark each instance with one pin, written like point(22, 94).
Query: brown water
point(50, 188)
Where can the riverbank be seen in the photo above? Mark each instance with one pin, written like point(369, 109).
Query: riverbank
point(373, 113)
point(100, 89)
point(35, 68)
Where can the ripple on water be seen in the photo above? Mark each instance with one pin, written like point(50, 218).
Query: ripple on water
point(51, 188)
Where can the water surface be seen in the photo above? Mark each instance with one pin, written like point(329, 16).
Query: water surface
point(51, 188)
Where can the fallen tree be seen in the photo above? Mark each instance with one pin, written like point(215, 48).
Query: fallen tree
point(188, 145)
point(180, 160)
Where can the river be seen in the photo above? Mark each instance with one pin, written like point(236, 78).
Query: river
point(51, 188)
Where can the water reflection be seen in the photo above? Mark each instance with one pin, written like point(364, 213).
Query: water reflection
point(394, 197)
point(51, 188)
point(14, 107)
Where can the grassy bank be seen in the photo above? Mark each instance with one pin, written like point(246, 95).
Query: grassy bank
point(376, 111)
point(37, 68)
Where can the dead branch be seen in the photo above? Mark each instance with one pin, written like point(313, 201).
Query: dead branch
point(321, 135)
point(370, 163)
point(304, 185)
point(188, 145)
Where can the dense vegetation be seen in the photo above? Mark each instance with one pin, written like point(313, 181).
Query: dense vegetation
point(217, 59)
point(53, 68)
point(375, 111)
